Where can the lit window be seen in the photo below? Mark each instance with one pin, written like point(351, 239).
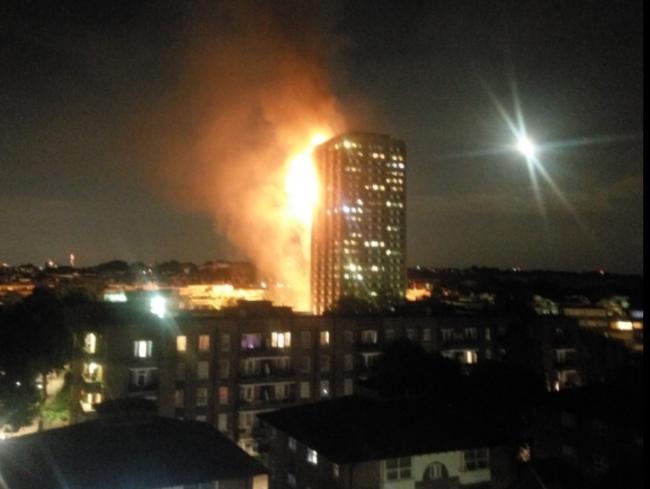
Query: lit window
point(181, 343)
point(222, 422)
point(336, 470)
point(204, 342)
point(369, 337)
point(202, 396)
point(475, 459)
point(142, 348)
point(398, 468)
point(312, 456)
point(324, 338)
point(281, 340)
point(179, 398)
point(90, 343)
point(324, 388)
point(223, 395)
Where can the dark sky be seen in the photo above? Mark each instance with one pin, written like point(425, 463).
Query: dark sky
point(79, 78)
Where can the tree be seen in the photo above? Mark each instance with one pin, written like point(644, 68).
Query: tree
point(36, 339)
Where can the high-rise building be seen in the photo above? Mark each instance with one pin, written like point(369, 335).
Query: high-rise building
point(359, 229)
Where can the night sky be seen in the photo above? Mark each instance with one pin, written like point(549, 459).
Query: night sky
point(85, 84)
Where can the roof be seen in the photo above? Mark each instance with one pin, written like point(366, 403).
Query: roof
point(153, 452)
point(355, 429)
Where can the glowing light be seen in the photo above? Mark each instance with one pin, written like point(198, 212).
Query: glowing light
point(158, 306)
point(526, 147)
point(301, 183)
point(623, 325)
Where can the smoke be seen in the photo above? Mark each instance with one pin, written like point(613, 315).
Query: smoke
point(252, 89)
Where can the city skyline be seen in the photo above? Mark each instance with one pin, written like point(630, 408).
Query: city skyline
point(100, 103)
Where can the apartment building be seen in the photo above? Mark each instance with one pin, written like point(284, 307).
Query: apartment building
point(226, 368)
point(366, 443)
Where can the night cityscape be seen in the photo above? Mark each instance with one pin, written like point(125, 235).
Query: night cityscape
point(340, 245)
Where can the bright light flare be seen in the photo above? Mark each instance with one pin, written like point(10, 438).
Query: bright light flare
point(301, 183)
point(526, 147)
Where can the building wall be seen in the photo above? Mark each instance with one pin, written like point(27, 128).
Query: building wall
point(232, 394)
point(359, 229)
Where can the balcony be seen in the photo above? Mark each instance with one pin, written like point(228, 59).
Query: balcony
point(265, 350)
point(267, 374)
point(267, 402)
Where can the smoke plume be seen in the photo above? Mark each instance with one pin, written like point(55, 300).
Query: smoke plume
point(252, 89)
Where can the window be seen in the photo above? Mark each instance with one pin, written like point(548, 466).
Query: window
point(142, 377)
point(312, 456)
point(426, 334)
point(411, 334)
point(305, 366)
point(569, 451)
point(390, 335)
point(369, 337)
point(475, 459)
point(398, 468)
point(223, 395)
point(305, 390)
point(447, 334)
point(202, 396)
point(348, 337)
point(324, 388)
point(469, 357)
point(470, 334)
point(488, 334)
point(348, 363)
point(324, 338)
point(224, 369)
point(225, 342)
point(201, 417)
point(601, 463)
point(336, 471)
point(324, 363)
point(291, 480)
point(568, 420)
point(281, 339)
point(435, 471)
point(348, 387)
point(222, 422)
point(292, 444)
point(204, 342)
point(90, 343)
point(203, 370)
point(305, 339)
point(181, 344)
point(179, 398)
point(142, 348)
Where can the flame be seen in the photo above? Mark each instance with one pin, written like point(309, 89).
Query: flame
point(301, 186)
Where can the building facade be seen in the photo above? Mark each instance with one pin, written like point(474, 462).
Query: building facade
point(359, 228)
point(227, 368)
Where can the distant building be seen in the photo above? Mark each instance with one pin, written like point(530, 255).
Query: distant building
point(359, 229)
point(128, 448)
point(355, 442)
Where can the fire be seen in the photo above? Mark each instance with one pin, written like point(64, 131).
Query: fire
point(301, 185)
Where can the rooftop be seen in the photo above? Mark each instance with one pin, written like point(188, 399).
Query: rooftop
point(355, 429)
point(148, 452)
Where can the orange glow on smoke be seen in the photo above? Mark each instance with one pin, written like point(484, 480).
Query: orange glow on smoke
point(301, 185)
